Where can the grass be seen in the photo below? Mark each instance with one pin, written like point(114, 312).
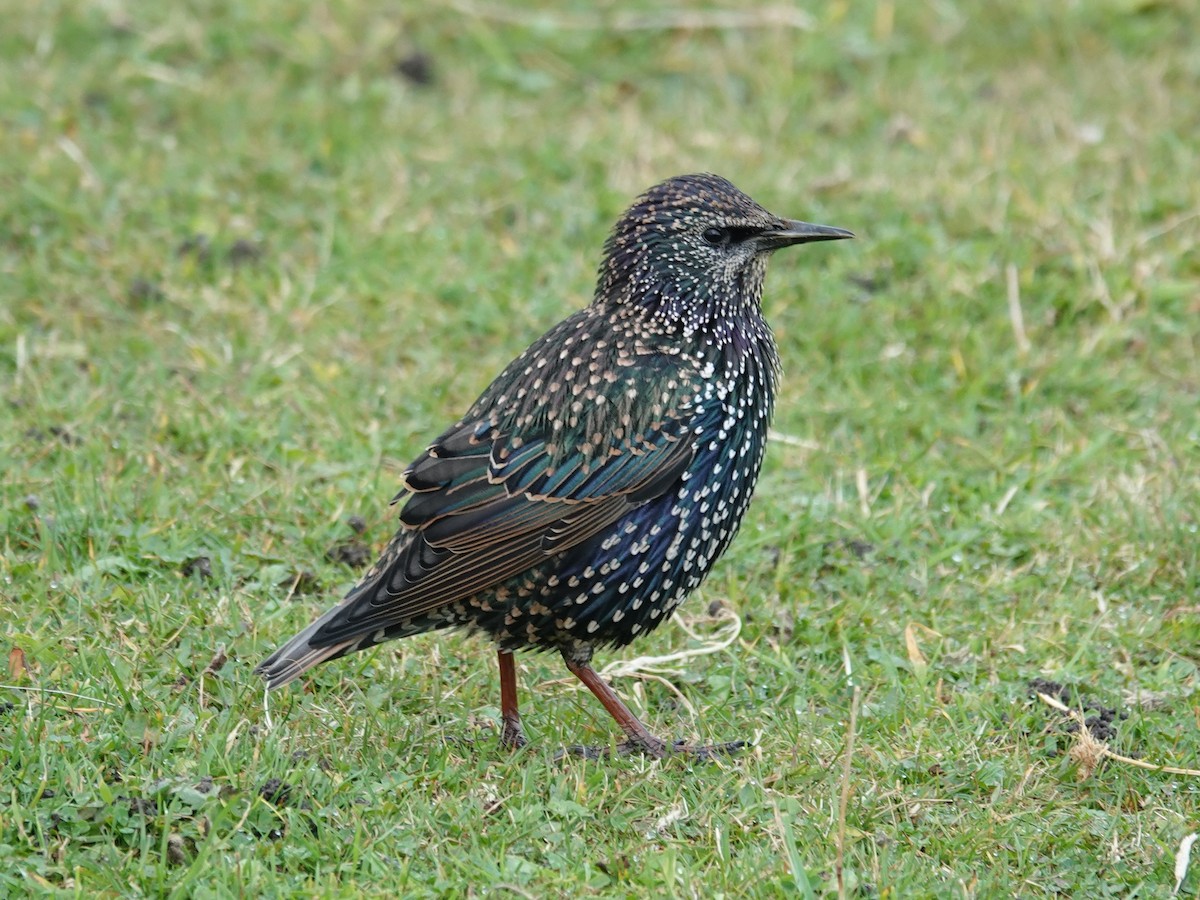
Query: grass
point(249, 267)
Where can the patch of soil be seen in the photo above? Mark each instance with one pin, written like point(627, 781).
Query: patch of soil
point(200, 566)
point(1101, 724)
point(354, 554)
point(416, 68)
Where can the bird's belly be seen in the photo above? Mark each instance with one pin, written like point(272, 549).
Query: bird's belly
point(629, 579)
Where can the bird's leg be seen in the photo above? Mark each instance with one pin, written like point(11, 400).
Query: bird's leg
point(512, 737)
point(639, 737)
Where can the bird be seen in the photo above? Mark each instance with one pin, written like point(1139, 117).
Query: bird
point(594, 483)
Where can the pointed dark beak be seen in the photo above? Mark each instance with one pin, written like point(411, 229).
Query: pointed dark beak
point(792, 232)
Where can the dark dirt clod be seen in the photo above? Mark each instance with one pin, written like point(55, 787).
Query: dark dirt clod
point(244, 251)
point(353, 553)
point(357, 524)
point(860, 549)
point(855, 548)
point(197, 246)
point(416, 68)
point(176, 850)
point(143, 292)
point(31, 503)
point(65, 435)
point(220, 657)
point(1101, 725)
point(142, 806)
point(204, 785)
point(1050, 689)
point(1102, 728)
point(276, 792)
point(197, 565)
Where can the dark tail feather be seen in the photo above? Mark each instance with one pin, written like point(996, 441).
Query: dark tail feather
point(297, 656)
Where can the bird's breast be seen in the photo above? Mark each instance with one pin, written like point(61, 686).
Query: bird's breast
point(628, 580)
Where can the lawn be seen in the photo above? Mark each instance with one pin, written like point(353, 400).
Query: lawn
point(254, 255)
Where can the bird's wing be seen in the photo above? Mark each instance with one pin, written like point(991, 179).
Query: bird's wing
point(486, 507)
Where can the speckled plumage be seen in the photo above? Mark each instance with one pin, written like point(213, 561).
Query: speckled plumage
point(594, 483)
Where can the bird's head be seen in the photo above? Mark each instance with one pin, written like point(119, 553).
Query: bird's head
point(693, 250)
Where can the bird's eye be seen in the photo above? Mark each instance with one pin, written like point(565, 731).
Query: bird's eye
point(715, 237)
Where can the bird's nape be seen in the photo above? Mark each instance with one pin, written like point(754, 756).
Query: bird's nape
point(595, 482)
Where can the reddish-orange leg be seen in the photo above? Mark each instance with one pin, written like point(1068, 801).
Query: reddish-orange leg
point(512, 737)
point(639, 737)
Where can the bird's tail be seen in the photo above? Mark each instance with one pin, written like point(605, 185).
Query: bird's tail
point(298, 655)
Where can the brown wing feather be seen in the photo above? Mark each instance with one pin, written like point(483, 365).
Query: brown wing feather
point(470, 525)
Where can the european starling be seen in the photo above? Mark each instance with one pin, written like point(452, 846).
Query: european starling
point(594, 483)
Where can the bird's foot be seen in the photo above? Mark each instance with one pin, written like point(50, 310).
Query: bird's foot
point(655, 749)
point(512, 736)
point(710, 752)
